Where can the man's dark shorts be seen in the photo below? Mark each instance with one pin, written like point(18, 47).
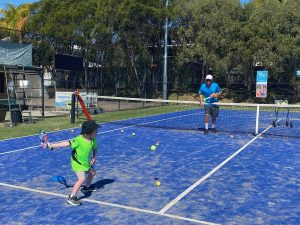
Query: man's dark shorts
point(212, 110)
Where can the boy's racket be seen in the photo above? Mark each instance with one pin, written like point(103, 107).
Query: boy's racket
point(221, 94)
point(61, 180)
point(44, 140)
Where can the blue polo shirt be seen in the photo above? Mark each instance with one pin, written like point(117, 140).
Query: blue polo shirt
point(206, 91)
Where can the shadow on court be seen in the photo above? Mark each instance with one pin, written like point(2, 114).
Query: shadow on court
point(100, 184)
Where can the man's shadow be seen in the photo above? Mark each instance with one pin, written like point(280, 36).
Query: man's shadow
point(100, 184)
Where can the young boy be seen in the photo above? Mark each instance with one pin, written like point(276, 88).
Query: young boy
point(82, 146)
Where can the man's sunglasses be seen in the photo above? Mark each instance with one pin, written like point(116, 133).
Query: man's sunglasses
point(208, 80)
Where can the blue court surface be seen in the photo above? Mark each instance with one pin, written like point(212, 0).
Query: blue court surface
point(220, 178)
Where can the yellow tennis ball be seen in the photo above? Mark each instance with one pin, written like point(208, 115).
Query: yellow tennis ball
point(157, 183)
point(153, 147)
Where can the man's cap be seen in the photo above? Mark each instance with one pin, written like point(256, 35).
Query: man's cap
point(89, 126)
point(209, 77)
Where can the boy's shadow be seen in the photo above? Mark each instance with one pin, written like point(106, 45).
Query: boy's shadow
point(100, 184)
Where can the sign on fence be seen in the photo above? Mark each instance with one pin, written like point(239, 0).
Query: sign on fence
point(63, 100)
point(261, 83)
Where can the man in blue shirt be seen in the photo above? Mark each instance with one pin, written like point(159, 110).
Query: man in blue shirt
point(208, 94)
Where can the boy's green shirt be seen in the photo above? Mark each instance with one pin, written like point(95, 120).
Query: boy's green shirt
point(83, 148)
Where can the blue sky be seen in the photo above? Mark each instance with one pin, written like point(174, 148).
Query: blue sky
point(18, 2)
point(15, 2)
point(245, 1)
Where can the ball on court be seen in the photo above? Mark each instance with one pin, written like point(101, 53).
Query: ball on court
point(157, 183)
point(153, 147)
point(122, 131)
point(133, 134)
point(72, 131)
point(231, 136)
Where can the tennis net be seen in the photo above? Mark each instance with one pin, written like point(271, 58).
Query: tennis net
point(283, 120)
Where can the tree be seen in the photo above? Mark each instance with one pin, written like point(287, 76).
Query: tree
point(16, 18)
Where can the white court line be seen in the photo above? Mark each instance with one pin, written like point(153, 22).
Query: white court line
point(201, 180)
point(108, 131)
point(18, 150)
point(145, 123)
point(111, 205)
point(32, 135)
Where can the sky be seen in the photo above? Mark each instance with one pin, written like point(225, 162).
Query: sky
point(15, 2)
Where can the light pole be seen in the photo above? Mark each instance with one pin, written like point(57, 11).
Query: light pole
point(165, 75)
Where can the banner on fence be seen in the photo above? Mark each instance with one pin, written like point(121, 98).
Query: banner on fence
point(261, 83)
point(63, 99)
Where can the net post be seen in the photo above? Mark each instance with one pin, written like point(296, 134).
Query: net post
point(73, 100)
point(257, 120)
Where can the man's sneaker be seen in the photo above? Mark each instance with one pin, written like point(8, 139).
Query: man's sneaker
point(73, 200)
point(214, 130)
point(86, 189)
point(205, 131)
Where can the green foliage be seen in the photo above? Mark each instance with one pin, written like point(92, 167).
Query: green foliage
point(126, 38)
point(227, 36)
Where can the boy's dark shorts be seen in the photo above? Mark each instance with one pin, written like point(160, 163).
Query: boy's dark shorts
point(212, 110)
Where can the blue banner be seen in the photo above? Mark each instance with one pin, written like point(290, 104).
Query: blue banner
point(261, 83)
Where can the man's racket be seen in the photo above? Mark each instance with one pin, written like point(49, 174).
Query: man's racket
point(220, 94)
point(288, 123)
point(44, 140)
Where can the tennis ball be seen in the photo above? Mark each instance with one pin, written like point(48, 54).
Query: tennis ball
point(153, 147)
point(72, 131)
point(133, 134)
point(231, 136)
point(157, 183)
point(122, 131)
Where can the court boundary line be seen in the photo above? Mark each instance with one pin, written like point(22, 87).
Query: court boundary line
point(56, 131)
point(147, 211)
point(209, 174)
point(108, 131)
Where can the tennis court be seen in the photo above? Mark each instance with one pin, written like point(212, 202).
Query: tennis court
point(231, 177)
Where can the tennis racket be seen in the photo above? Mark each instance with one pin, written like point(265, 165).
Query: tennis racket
point(44, 140)
point(61, 180)
point(220, 94)
point(288, 123)
point(276, 121)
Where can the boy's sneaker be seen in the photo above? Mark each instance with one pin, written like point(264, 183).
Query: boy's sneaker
point(86, 189)
point(205, 131)
point(73, 200)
